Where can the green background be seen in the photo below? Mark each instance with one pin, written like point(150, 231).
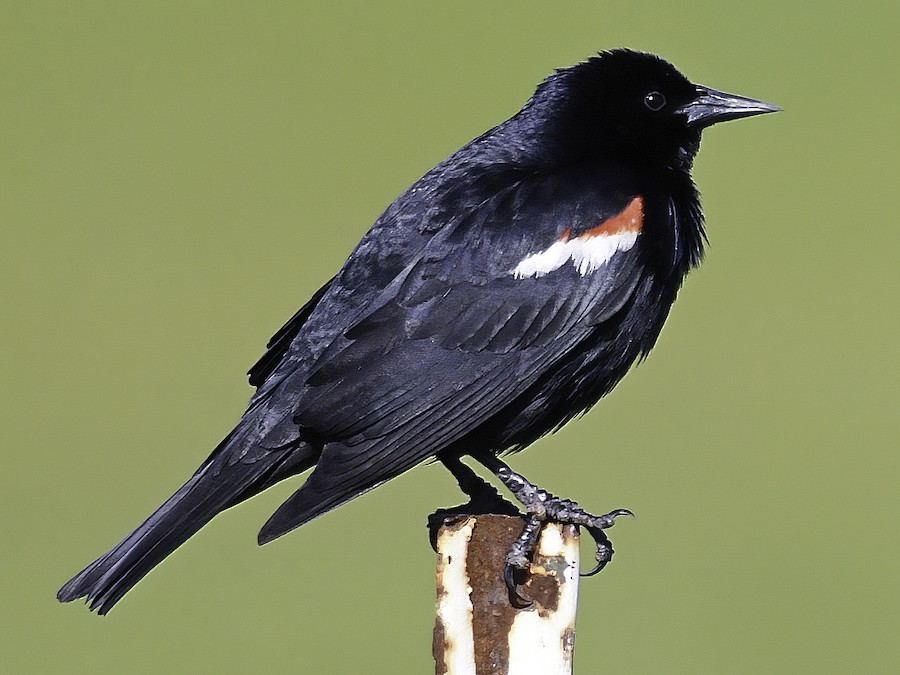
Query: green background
point(177, 177)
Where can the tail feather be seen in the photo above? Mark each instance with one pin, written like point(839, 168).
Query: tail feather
point(217, 485)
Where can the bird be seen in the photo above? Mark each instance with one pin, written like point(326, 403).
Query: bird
point(503, 294)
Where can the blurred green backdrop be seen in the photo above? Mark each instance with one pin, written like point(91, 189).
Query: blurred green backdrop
point(177, 177)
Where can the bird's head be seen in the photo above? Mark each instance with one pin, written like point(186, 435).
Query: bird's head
point(624, 103)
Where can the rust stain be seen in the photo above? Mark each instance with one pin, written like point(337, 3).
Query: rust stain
point(630, 219)
point(544, 591)
point(440, 645)
point(493, 615)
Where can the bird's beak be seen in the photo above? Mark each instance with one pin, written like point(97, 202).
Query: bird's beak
point(711, 106)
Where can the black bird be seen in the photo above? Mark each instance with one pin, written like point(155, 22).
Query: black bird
point(504, 293)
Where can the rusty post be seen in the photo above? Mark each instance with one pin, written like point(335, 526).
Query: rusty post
point(478, 631)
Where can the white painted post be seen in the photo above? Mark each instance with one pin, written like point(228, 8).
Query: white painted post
point(478, 631)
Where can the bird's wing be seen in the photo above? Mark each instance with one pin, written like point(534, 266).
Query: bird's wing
point(280, 343)
point(480, 315)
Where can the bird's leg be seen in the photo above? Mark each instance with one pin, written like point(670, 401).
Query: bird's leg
point(483, 497)
point(541, 507)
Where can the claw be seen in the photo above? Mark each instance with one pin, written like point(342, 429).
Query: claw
point(598, 568)
point(516, 599)
point(604, 549)
point(609, 519)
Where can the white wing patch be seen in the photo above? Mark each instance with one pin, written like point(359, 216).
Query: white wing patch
point(587, 253)
point(590, 250)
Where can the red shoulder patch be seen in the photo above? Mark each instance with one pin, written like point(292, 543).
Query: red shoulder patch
point(629, 219)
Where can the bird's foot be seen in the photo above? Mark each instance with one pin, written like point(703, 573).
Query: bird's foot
point(541, 507)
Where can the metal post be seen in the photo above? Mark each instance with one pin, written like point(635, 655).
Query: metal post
point(478, 631)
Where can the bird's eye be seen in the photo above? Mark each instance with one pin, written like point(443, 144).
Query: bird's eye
point(654, 101)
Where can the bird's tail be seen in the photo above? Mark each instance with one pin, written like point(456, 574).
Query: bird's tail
point(220, 483)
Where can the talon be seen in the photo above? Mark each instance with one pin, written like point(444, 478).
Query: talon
point(604, 550)
point(516, 599)
point(598, 568)
point(609, 519)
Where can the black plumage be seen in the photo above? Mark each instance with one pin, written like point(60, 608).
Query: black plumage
point(505, 292)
